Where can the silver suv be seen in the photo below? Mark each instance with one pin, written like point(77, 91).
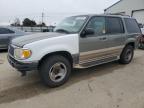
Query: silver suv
point(77, 42)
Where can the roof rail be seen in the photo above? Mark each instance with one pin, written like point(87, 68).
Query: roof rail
point(121, 14)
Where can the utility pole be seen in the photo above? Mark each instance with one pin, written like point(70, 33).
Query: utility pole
point(42, 21)
point(42, 17)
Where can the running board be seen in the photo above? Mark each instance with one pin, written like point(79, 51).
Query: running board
point(96, 62)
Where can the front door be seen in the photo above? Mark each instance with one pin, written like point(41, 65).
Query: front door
point(93, 47)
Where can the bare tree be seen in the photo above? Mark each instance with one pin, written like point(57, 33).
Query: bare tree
point(16, 22)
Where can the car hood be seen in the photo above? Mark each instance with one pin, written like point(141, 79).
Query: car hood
point(21, 41)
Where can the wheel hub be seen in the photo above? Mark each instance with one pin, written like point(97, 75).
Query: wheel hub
point(58, 72)
point(128, 55)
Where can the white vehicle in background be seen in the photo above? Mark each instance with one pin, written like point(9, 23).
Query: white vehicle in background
point(142, 29)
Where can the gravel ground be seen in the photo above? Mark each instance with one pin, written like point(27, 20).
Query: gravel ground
point(107, 86)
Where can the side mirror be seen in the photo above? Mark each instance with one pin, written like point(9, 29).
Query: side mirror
point(87, 31)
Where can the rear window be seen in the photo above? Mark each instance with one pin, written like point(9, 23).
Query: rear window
point(132, 26)
point(114, 25)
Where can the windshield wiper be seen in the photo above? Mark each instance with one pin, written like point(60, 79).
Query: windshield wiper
point(62, 30)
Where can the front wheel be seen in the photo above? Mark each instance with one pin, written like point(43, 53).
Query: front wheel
point(55, 70)
point(127, 55)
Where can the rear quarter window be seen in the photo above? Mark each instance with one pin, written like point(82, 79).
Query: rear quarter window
point(132, 25)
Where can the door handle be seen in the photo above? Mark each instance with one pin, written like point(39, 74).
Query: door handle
point(103, 38)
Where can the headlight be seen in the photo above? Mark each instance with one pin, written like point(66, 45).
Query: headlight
point(22, 53)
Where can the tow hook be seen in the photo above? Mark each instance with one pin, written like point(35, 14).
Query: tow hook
point(23, 73)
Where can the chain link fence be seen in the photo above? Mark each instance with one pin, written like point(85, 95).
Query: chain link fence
point(36, 29)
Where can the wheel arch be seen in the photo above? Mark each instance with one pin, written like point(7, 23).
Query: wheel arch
point(132, 44)
point(65, 54)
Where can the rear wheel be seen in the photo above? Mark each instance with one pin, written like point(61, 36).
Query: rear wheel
point(127, 55)
point(55, 70)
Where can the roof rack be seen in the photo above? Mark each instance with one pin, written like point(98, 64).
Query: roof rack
point(122, 14)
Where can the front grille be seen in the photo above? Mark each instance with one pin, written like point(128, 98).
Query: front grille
point(11, 50)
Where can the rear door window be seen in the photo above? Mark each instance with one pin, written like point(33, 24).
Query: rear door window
point(114, 25)
point(6, 31)
point(132, 26)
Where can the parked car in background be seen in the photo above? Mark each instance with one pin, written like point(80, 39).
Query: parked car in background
point(141, 39)
point(77, 42)
point(141, 42)
point(141, 26)
point(7, 33)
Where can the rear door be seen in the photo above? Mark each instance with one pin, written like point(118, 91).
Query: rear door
point(5, 35)
point(116, 34)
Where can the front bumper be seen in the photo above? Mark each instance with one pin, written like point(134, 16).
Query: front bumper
point(22, 66)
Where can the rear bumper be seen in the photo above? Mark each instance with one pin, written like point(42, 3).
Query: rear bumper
point(22, 66)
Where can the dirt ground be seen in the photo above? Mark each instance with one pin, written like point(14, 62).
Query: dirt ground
point(107, 86)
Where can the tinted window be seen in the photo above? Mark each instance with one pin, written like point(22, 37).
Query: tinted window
point(114, 25)
point(98, 25)
point(5, 31)
point(132, 26)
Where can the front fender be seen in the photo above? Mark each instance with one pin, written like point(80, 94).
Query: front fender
point(69, 43)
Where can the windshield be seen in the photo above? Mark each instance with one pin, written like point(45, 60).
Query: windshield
point(71, 24)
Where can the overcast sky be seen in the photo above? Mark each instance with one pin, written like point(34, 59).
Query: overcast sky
point(54, 10)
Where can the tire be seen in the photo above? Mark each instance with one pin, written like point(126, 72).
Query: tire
point(127, 55)
point(55, 71)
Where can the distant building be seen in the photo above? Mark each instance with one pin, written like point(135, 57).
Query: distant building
point(133, 8)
